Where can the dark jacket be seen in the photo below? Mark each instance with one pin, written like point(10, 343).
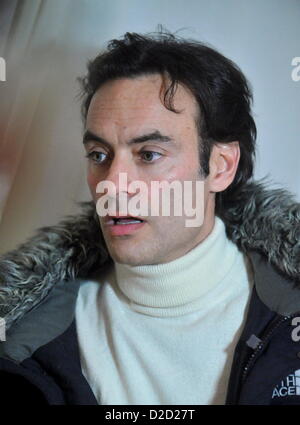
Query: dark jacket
point(39, 361)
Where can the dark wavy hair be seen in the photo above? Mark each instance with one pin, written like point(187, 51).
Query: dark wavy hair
point(221, 90)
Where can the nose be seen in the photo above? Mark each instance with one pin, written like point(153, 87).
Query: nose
point(121, 172)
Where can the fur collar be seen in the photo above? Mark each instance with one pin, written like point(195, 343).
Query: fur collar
point(259, 219)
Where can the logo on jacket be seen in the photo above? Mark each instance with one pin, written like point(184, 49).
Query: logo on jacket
point(288, 386)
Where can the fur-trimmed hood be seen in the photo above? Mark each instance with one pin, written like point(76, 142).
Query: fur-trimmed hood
point(260, 219)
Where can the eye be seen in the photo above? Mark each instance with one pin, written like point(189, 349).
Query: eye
point(150, 156)
point(97, 157)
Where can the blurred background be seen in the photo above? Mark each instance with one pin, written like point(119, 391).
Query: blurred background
point(46, 45)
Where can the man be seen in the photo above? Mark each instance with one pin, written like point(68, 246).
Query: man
point(143, 309)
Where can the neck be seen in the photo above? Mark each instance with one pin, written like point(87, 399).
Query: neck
point(181, 285)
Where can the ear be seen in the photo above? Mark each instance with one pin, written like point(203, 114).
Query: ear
point(223, 164)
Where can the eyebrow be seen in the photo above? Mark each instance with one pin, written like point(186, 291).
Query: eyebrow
point(153, 136)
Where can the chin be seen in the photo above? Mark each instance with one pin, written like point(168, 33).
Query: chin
point(124, 257)
point(132, 259)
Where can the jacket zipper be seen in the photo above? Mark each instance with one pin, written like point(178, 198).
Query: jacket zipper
point(264, 340)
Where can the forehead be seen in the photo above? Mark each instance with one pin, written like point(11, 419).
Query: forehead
point(132, 102)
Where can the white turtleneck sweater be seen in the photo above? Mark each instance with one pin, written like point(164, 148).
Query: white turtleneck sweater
point(165, 334)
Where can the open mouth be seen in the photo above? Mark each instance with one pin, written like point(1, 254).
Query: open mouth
point(124, 226)
point(113, 221)
point(127, 220)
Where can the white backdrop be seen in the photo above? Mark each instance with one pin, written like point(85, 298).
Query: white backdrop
point(46, 44)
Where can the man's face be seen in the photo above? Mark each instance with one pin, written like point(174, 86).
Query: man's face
point(129, 130)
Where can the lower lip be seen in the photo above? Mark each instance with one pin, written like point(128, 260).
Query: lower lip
point(124, 229)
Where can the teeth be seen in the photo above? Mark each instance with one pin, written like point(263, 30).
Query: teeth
point(127, 221)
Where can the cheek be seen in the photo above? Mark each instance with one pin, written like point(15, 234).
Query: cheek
point(182, 172)
point(92, 181)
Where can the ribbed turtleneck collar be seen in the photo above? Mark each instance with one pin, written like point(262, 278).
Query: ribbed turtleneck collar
point(184, 284)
